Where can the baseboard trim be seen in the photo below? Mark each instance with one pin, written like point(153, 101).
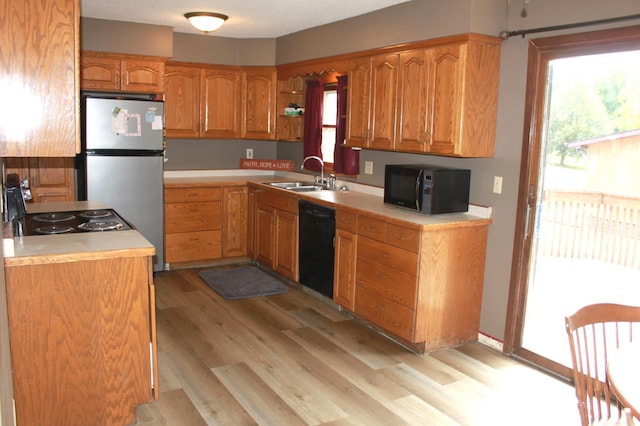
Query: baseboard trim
point(490, 341)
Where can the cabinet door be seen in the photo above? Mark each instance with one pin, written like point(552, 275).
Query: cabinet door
point(234, 221)
point(17, 165)
point(411, 128)
point(65, 336)
point(99, 74)
point(258, 104)
point(40, 49)
point(358, 101)
point(384, 90)
point(251, 223)
point(220, 103)
point(142, 76)
point(344, 276)
point(182, 102)
point(445, 91)
point(286, 261)
point(265, 235)
point(52, 179)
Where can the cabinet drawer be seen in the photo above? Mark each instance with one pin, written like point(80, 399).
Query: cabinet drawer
point(347, 221)
point(405, 238)
point(188, 246)
point(387, 255)
point(386, 314)
point(391, 283)
point(187, 195)
point(280, 202)
point(186, 217)
point(372, 228)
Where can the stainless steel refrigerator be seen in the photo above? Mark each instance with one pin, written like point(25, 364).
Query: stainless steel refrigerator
point(121, 163)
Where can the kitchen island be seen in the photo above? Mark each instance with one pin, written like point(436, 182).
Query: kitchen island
point(82, 324)
point(416, 278)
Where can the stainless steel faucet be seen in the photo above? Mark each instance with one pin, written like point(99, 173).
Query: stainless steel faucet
point(313, 157)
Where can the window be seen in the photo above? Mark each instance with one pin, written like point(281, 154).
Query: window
point(329, 115)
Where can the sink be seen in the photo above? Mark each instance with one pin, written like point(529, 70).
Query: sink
point(298, 186)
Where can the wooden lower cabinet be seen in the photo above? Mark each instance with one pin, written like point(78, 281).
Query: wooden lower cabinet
point(344, 276)
point(420, 284)
point(205, 221)
point(234, 220)
point(80, 336)
point(276, 233)
point(193, 224)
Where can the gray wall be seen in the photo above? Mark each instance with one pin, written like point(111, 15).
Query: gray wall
point(412, 21)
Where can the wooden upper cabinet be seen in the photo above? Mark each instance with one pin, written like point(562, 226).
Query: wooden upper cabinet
point(358, 102)
point(258, 110)
point(100, 73)
point(439, 99)
point(371, 99)
point(291, 90)
point(40, 48)
point(182, 101)
point(121, 73)
point(412, 124)
point(464, 99)
point(384, 90)
point(142, 76)
point(51, 179)
point(445, 103)
point(220, 103)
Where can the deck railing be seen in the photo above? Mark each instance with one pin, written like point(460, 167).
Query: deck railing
point(590, 225)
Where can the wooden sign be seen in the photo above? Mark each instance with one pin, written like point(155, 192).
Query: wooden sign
point(251, 163)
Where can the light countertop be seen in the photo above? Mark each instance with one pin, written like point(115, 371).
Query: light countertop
point(361, 197)
point(41, 249)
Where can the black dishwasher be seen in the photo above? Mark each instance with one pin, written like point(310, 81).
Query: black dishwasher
point(317, 229)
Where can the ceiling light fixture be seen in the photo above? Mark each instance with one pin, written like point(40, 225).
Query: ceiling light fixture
point(206, 21)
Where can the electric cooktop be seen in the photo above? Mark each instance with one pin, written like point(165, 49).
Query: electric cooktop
point(56, 223)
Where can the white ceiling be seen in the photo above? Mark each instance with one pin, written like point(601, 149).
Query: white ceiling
point(247, 18)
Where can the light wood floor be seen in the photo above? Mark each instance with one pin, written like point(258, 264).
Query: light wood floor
point(294, 359)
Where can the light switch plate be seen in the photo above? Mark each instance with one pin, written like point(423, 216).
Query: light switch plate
point(497, 184)
point(249, 153)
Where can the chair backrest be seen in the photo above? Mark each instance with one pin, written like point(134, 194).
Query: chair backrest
point(594, 331)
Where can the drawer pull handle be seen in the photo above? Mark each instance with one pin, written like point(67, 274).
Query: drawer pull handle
point(382, 276)
point(383, 254)
point(370, 228)
point(401, 237)
point(379, 307)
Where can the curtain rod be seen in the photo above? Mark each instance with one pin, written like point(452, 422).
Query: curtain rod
point(506, 33)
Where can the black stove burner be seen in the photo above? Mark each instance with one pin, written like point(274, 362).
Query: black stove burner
point(74, 221)
point(102, 225)
point(95, 214)
point(53, 229)
point(53, 217)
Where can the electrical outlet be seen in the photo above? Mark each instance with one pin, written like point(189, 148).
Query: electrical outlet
point(497, 184)
point(368, 167)
point(249, 153)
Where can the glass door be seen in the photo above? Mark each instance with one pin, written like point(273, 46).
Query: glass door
point(581, 198)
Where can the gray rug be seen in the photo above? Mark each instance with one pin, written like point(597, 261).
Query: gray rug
point(242, 282)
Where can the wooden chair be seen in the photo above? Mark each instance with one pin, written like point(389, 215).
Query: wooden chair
point(594, 331)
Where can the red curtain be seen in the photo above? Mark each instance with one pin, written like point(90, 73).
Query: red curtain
point(312, 141)
point(345, 160)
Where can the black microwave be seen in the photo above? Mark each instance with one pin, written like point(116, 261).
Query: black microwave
point(427, 189)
